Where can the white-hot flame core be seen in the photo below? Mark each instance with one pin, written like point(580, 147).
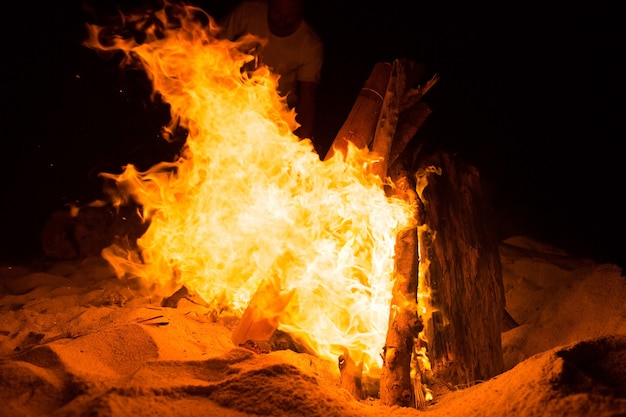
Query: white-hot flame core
point(248, 202)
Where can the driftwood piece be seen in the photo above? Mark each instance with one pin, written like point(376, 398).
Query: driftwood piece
point(396, 385)
point(360, 124)
point(459, 246)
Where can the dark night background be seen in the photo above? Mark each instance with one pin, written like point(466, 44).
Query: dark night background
point(531, 94)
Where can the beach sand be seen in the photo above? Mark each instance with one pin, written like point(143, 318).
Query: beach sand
point(77, 341)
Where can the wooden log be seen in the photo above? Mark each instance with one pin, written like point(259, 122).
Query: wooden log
point(380, 134)
point(360, 128)
point(414, 72)
point(388, 120)
point(371, 122)
point(409, 123)
point(458, 243)
point(360, 124)
point(396, 385)
point(413, 112)
point(421, 364)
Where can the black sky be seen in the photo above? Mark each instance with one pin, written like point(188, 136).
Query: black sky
point(531, 94)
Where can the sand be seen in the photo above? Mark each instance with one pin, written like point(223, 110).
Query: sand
point(75, 341)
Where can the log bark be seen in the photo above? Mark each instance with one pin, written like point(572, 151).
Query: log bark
point(360, 124)
point(459, 253)
point(413, 111)
point(409, 122)
point(388, 119)
point(396, 385)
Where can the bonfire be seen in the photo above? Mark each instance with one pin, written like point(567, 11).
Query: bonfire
point(373, 267)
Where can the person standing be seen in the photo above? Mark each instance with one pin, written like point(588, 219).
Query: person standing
point(293, 50)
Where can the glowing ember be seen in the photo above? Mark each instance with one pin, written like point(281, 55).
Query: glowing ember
point(248, 203)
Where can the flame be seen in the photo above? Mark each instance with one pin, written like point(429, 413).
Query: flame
point(247, 203)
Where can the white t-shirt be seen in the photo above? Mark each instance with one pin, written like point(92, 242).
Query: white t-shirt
point(297, 57)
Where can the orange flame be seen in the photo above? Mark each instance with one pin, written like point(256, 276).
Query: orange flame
point(249, 203)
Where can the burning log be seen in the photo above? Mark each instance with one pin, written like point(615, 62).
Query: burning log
point(408, 124)
point(394, 131)
point(463, 272)
point(413, 111)
point(388, 119)
point(375, 121)
point(396, 386)
point(361, 122)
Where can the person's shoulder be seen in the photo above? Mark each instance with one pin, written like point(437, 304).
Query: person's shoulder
point(310, 34)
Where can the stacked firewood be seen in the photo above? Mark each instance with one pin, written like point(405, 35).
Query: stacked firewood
point(452, 250)
point(385, 118)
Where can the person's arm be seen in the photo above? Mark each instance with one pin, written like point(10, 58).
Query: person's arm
point(305, 109)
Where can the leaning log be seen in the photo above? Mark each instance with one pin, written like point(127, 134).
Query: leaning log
point(396, 385)
point(459, 250)
point(409, 122)
point(378, 139)
point(388, 120)
point(413, 111)
point(360, 124)
point(371, 123)
point(395, 130)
